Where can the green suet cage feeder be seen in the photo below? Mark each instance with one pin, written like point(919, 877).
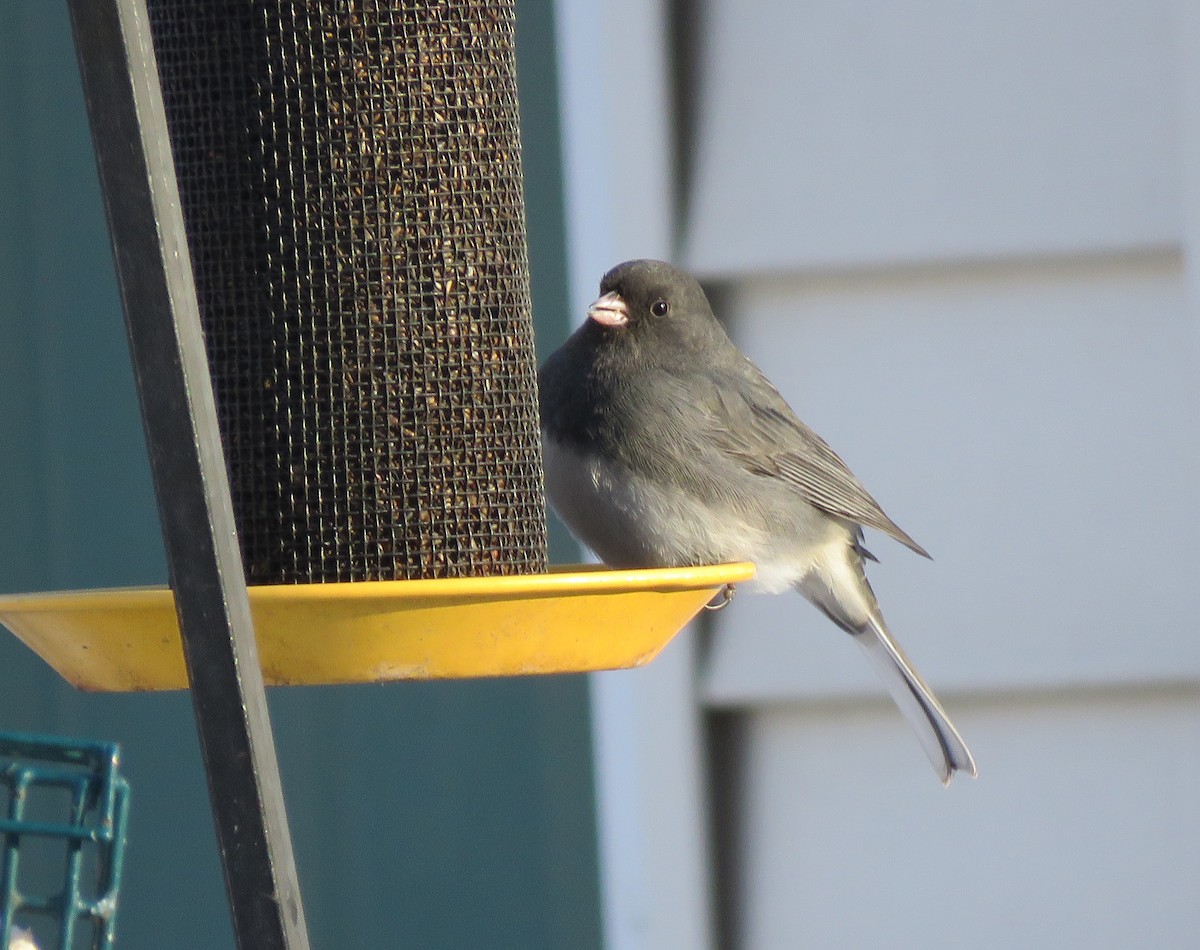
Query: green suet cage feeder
point(63, 807)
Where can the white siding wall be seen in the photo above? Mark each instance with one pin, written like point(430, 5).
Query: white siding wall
point(962, 250)
point(836, 134)
point(1052, 472)
point(963, 239)
point(1081, 831)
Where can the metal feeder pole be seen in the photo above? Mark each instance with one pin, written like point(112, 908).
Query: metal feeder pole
point(133, 153)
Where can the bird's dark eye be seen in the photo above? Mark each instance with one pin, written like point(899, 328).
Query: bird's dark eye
point(660, 308)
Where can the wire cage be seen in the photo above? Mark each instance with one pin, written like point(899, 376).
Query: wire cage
point(64, 807)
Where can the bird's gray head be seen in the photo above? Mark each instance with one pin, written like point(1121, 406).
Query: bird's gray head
point(653, 304)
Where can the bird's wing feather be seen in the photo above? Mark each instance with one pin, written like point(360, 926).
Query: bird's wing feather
point(753, 425)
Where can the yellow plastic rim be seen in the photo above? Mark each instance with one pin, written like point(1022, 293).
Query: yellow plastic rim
point(568, 621)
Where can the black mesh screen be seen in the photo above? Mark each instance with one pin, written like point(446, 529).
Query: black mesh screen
point(350, 180)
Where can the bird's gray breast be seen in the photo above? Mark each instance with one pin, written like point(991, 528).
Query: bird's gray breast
point(631, 519)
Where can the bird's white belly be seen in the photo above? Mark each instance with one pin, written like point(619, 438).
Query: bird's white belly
point(630, 520)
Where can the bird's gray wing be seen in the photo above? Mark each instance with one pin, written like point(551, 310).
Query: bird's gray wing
point(752, 424)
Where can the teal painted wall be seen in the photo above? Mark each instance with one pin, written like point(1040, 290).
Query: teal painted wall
point(452, 815)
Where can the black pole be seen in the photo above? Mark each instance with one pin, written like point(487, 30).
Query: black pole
point(133, 154)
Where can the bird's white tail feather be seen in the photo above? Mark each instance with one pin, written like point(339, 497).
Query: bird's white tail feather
point(940, 740)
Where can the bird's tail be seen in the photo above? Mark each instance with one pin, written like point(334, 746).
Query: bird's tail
point(838, 586)
point(939, 738)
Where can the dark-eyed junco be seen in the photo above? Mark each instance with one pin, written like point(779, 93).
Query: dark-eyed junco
point(665, 446)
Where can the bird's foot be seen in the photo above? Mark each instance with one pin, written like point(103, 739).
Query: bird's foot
point(723, 599)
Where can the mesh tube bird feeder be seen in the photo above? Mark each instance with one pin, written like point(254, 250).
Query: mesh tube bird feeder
point(349, 180)
point(351, 183)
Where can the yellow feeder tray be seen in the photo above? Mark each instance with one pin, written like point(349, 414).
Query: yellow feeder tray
point(567, 621)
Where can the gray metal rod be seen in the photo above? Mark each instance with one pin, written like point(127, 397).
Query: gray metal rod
point(133, 154)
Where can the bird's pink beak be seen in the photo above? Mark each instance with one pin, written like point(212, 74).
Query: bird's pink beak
point(610, 310)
